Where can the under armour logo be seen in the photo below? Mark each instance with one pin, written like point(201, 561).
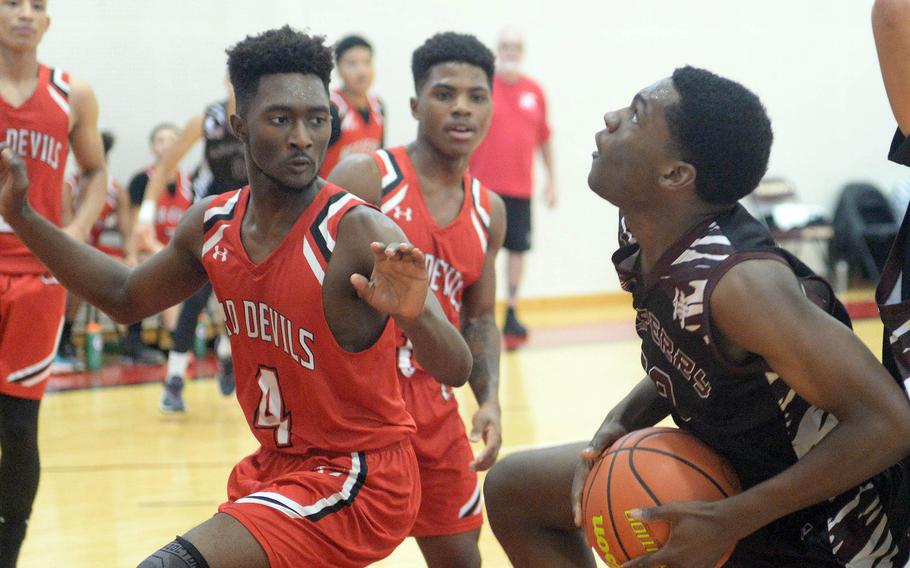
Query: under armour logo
point(399, 213)
point(806, 530)
point(220, 253)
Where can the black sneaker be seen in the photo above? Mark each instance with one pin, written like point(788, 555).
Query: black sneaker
point(513, 326)
point(142, 355)
point(513, 333)
point(67, 350)
point(172, 395)
point(226, 375)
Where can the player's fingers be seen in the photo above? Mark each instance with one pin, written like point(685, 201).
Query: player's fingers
point(361, 285)
point(486, 458)
point(15, 163)
point(661, 513)
point(599, 443)
point(418, 256)
point(483, 460)
point(578, 483)
point(646, 561)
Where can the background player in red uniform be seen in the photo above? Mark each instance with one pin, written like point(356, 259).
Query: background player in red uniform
point(114, 218)
point(171, 205)
point(222, 169)
point(335, 481)
point(43, 112)
point(360, 113)
point(459, 224)
point(737, 349)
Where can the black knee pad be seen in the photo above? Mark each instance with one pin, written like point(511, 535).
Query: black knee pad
point(178, 554)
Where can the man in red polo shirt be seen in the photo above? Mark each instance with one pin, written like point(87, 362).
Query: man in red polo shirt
point(504, 162)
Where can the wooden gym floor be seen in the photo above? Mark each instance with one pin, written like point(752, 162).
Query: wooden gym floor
point(119, 479)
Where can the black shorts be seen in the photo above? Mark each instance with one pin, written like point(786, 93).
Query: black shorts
point(518, 224)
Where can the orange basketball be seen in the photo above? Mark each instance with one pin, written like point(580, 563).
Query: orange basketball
point(644, 469)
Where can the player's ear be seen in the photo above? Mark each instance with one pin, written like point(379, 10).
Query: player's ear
point(414, 107)
point(677, 176)
point(238, 125)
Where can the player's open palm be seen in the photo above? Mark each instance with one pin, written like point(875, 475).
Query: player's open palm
point(398, 285)
point(13, 182)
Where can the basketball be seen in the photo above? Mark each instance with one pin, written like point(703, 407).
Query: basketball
point(644, 469)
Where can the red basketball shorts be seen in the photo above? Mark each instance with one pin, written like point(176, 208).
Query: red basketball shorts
point(31, 318)
point(340, 510)
point(452, 500)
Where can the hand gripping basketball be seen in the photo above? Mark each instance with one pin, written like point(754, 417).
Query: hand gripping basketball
point(652, 500)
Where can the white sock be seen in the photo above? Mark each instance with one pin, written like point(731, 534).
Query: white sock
point(223, 346)
point(177, 364)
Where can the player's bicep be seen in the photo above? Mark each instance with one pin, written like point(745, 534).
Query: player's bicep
point(176, 271)
point(358, 174)
point(759, 306)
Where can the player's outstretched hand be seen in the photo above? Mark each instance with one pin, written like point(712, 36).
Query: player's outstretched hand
point(13, 182)
point(602, 440)
point(699, 535)
point(486, 425)
point(398, 285)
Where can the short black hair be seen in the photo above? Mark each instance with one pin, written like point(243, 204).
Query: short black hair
point(723, 130)
point(348, 42)
point(162, 126)
point(448, 47)
point(282, 50)
point(107, 141)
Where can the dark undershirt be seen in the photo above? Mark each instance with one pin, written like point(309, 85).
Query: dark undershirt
point(137, 188)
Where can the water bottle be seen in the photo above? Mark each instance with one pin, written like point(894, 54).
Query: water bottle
point(841, 277)
point(94, 346)
point(200, 344)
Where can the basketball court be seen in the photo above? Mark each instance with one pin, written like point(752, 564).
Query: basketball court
point(120, 479)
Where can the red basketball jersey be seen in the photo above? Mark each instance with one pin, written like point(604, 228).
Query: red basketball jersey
point(38, 131)
point(298, 388)
point(111, 203)
point(455, 253)
point(357, 136)
point(171, 207)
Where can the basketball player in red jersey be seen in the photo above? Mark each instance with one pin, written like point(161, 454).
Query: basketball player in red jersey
point(360, 113)
point(742, 345)
point(335, 481)
point(114, 217)
point(43, 114)
point(426, 188)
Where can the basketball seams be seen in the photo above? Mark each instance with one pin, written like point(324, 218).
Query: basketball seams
point(694, 467)
point(613, 455)
point(700, 463)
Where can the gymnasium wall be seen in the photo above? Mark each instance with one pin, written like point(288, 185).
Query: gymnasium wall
point(811, 61)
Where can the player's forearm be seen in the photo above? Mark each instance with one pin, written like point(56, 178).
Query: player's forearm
point(438, 346)
point(643, 407)
point(546, 152)
point(154, 189)
point(95, 190)
point(482, 337)
point(86, 271)
point(851, 453)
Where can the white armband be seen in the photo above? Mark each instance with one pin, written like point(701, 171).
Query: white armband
point(147, 212)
